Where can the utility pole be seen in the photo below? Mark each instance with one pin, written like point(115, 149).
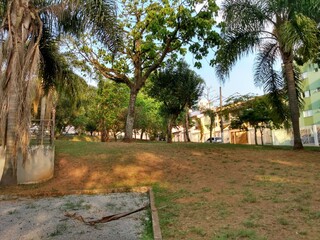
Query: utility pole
point(221, 122)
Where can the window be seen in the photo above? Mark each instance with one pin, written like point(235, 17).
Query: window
point(306, 94)
point(304, 75)
point(307, 113)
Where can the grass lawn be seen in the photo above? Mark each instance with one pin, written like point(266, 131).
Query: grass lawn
point(203, 191)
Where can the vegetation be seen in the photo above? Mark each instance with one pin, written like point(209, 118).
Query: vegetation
point(278, 29)
point(251, 111)
point(177, 87)
point(22, 25)
point(152, 32)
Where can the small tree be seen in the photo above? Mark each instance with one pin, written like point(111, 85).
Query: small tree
point(256, 112)
point(176, 87)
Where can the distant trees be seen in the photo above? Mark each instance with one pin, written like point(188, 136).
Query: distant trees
point(176, 87)
point(285, 30)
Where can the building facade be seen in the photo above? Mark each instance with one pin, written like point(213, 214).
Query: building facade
point(310, 115)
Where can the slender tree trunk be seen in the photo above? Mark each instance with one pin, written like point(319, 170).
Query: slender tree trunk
point(42, 120)
point(187, 125)
point(261, 134)
point(115, 136)
point(255, 136)
point(293, 100)
point(130, 116)
point(103, 136)
point(169, 129)
point(211, 127)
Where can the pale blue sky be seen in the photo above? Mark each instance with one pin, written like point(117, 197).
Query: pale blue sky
point(239, 81)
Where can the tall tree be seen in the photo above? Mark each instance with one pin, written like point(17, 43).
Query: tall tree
point(177, 87)
point(278, 29)
point(153, 30)
point(21, 30)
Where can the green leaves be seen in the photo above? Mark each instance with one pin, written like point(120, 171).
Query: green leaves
point(300, 35)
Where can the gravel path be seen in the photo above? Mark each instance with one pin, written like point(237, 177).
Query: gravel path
point(26, 219)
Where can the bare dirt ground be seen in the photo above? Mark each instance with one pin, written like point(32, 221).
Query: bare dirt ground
point(210, 191)
point(54, 218)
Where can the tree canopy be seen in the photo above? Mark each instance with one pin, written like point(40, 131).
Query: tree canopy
point(177, 87)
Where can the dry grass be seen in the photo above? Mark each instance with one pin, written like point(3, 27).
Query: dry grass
point(203, 191)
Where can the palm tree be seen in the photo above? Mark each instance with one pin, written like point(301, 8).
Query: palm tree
point(21, 30)
point(277, 29)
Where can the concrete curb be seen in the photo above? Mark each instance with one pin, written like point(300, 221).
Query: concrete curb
point(155, 219)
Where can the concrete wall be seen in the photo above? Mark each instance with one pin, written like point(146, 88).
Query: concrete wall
point(39, 166)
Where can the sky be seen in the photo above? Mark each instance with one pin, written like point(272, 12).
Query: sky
point(241, 77)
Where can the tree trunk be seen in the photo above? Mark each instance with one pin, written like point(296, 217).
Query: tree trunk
point(115, 136)
point(169, 130)
point(40, 135)
point(255, 136)
point(130, 116)
point(103, 136)
point(211, 127)
point(293, 100)
point(261, 134)
point(187, 125)
point(9, 176)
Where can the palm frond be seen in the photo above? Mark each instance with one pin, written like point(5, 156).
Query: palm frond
point(232, 49)
point(264, 64)
point(97, 17)
point(300, 33)
point(309, 8)
point(272, 81)
point(246, 15)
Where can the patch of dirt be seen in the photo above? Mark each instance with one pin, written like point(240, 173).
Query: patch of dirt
point(47, 218)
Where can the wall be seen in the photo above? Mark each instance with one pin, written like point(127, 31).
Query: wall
point(39, 166)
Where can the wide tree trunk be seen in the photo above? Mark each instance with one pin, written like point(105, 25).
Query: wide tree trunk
point(130, 116)
point(293, 99)
point(9, 176)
